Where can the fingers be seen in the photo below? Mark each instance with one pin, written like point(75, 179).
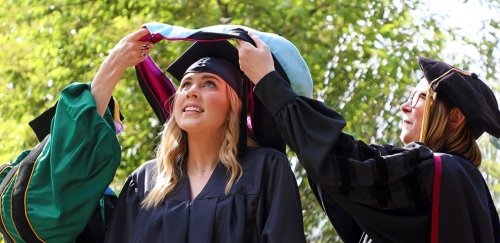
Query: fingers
point(144, 52)
point(255, 61)
point(145, 47)
point(130, 50)
point(243, 45)
point(140, 42)
point(246, 49)
point(142, 37)
point(139, 34)
point(146, 44)
point(258, 42)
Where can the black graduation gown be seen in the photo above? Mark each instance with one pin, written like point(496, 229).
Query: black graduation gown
point(384, 191)
point(262, 206)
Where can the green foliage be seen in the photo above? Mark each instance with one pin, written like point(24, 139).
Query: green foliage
point(361, 54)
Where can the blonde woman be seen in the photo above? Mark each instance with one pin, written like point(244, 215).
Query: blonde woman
point(206, 185)
point(375, 193)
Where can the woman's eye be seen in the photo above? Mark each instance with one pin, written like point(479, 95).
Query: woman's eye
point(185, 85)
point(209, 84)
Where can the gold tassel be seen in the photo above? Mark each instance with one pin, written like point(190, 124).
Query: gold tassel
point(116, 111)
point(463, 72)
point(425, 119)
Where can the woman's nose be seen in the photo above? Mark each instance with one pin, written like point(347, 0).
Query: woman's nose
point(192, 92)
point(405, 107)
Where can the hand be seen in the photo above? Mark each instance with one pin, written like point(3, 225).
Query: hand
point(257, 61)
point(130, 50)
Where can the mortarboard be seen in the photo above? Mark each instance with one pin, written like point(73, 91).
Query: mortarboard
point(465, 91)
point(222, 50)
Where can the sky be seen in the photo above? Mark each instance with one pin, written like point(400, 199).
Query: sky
point(468, 18)
point(466, 15)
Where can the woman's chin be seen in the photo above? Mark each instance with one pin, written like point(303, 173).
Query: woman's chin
point(406, 138)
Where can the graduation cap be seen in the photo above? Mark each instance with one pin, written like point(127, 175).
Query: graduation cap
point(218, 57)
point(41, 124)
point(212, 41)
point(465, 91)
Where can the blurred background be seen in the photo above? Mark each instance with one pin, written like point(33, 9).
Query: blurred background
point(361, 54)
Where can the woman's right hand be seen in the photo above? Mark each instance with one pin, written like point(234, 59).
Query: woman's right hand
point(129, 51)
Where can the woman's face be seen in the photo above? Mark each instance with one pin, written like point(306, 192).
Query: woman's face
point(413, 110)
point(202, 103)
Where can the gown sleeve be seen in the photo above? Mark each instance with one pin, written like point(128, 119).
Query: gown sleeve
point(6, 167)
point(333, 159)
point(281, 197)
point(62, 188)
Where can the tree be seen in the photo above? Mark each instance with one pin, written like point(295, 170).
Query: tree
point(361, 54)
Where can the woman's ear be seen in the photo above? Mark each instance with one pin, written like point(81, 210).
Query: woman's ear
point(456, 118)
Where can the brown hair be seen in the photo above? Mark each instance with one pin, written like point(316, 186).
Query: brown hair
point(441, 138)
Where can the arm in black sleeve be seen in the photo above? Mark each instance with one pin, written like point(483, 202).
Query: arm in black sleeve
point(308, 126)
point(335, 160)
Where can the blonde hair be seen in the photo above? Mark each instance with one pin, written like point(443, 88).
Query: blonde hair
point(439, 137)
point(173, 148)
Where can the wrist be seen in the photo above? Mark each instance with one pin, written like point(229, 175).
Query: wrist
point(257, 78)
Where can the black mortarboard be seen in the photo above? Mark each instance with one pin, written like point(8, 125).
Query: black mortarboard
point(218, 57)
point(223, 68)
point(41, 124)
point(467, 92)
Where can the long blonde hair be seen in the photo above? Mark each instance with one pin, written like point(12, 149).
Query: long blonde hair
point(439, 137)
point(174, 147)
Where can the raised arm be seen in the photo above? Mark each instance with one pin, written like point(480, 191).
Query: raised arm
point(53, 193)
point(127, 53)
point(333, 160)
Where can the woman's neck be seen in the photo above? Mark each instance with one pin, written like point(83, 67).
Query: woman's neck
point(202, 158)
point(203, 154)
